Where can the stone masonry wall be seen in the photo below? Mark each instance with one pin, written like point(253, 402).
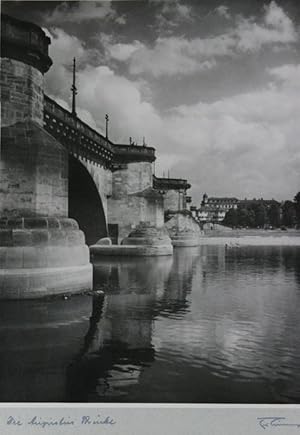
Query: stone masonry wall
point(130, 210)
point(135, 178)
point(174, 200)
point(33, 172)
point(133, 200)
point(181, 224)
point(22, 95)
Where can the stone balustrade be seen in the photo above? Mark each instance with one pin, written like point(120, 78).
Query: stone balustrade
point(80, 139)
point(170, 183)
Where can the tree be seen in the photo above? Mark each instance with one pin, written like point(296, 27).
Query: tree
point(251, 218)
point(260, 215)
point(274, 214)
point(288, 214)
point(231, 218)
point(243, 217)
point(297, 206)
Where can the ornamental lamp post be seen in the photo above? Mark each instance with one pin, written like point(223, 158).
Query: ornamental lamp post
point(74, 89)
point(106, 125)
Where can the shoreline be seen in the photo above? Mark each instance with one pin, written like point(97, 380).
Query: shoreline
point(252, 238)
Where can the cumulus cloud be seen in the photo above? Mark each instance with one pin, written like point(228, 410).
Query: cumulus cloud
point(245, 145)
point(79, 12)
point(176, 9)
point(62, 50)
point(121, 51)
point(276, 28)
point(100, 90)
point(223, 11)
point(170, 14)
point(288, 74)
point(121, 19)
point(180, 55)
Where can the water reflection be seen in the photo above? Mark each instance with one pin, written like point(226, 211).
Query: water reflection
point(208, 325)
point(121, 327)
point(38, 340)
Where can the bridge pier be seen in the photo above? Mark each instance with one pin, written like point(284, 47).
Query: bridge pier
point(133, 198)
point(182, 227)
point(42, 251)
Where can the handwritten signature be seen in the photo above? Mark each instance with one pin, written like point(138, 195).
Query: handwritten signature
point(85, 420)
point(268, 422)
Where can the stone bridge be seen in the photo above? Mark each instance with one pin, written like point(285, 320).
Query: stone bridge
point(58, 175)
point(108, 189)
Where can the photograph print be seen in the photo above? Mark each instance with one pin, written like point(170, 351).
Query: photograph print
point(150, 202)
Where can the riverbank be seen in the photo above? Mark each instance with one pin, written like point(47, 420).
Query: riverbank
point(237, 238)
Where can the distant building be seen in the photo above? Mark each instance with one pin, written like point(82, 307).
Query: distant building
point(244, 203)
point(219, 203)
point(214, 209)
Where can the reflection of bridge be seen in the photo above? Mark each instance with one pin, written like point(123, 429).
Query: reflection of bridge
point(114, 334)
point(55, 165)
point(118, 346)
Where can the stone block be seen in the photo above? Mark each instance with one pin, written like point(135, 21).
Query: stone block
point(53, 222)
point(63, 256)
point(22, 237)
point(16, 223)
point(75, 237)
point(29, 193)
point(40, 237)
point(35, 222)
point(104, 241)
point(3, 257)
point(6, 238)
point(42, 282)
point(14, 258)
point(67, 223)
point(56, 256)
point(80, 255)
point(57, 237)
point(41, 259)
point(30, 257)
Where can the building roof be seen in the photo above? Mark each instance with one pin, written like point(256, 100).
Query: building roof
point(224, 199)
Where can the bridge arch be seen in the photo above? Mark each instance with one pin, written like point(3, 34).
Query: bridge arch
point(85, 203)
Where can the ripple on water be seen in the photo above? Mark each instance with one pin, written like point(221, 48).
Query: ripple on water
point(227, 321)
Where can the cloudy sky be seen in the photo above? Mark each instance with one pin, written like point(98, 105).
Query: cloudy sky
point(213, 85)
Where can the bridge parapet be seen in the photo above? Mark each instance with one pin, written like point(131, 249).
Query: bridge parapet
point(80, 139)
point(170, 183)
point(83, 141)
point(133, 153)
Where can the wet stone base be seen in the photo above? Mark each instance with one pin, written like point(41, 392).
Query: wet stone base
point(183, 230)
point(144, 240)
point(42, 282)
point(41, 257)
point(185, 240)
point(130, 250)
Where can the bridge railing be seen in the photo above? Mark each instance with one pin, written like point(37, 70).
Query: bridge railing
point(170, 183)
point(130, 153)
point(80, 139)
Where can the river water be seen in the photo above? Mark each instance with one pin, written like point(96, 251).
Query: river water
point(207, 325)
